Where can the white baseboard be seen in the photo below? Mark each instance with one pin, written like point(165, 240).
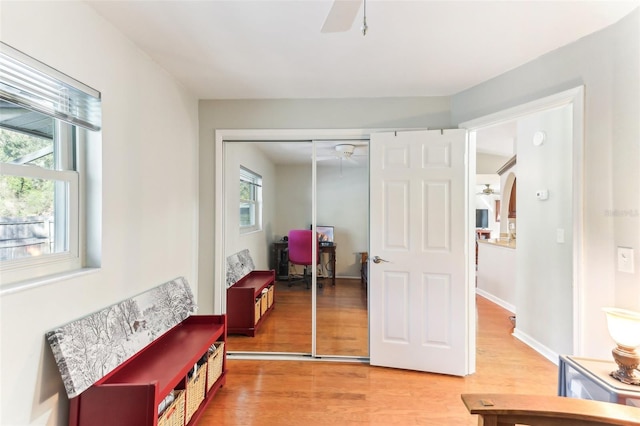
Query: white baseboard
point(537, 346)
point(506, 305)
point(523, 337)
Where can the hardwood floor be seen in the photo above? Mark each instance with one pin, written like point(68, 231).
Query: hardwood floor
point(322, 393)
point(341, 317)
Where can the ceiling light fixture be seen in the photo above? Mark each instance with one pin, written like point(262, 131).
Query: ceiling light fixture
point(345, 150)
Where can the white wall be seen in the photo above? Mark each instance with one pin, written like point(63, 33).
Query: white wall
point(489, 164)
point(496, 275)
point(294, 198)
point(149, 198)
point(258, 243)
point(543, 261)
point(343, 202)
point(608, 64)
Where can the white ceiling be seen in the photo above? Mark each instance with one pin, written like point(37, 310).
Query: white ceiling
point(241, 49)
point(275, 49)
point(497, 140)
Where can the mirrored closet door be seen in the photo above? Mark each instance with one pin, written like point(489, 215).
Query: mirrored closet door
point(342, 206)
point(268, 192)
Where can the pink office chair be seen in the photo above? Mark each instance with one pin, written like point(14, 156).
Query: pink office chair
point(300, 246)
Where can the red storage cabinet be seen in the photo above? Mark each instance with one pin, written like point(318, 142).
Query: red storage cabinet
point(130, 394)
point(241, 298)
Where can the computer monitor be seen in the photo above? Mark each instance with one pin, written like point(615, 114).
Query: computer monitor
point(482, 218)
point(325, 234)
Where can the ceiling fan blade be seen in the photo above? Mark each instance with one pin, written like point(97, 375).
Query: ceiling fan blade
point(341, 16)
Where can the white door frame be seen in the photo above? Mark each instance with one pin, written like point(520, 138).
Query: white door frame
point(574, 98)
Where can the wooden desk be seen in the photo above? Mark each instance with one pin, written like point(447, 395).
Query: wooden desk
point(281, 258)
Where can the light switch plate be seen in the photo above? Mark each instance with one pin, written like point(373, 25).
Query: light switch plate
point(625, 259)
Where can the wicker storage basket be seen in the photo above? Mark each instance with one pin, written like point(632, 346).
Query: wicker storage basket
point(270, 295)
point(173, 415)
point(258, 309)
point(214, 364)
point(195, 392)
point(263, 307)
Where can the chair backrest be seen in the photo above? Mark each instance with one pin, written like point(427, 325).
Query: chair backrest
point(300, 245)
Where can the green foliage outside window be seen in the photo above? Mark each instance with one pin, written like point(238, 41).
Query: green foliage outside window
point(246, 191)
point(250, 184)
point(22, 196)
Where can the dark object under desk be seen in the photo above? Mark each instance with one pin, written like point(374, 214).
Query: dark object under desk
point(281, 259)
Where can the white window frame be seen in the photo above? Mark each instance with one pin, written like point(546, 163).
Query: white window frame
point(254, 179)
point(76, 111)
point(69, 259)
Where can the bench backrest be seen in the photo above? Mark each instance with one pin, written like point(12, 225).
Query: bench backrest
point(90, 347)
point(238, 265)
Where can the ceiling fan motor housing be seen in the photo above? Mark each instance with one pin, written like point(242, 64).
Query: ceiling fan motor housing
point(345, 150)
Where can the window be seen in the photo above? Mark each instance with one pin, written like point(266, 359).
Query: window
point(43, 120)
point(250, 201)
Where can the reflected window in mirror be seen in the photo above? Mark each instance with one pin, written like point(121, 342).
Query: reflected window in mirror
point(250, 201)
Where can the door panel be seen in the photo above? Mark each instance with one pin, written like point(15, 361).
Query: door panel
point(437, 300)
point(396, 304)
point(419, 226)
point(396, 219)
point(437, 225)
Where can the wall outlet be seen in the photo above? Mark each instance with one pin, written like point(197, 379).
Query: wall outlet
point(542, 194)
point(625, 259)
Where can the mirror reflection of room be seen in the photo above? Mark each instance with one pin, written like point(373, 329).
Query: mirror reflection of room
point(284, 204)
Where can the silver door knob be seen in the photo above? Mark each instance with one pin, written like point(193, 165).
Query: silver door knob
point(377, 259)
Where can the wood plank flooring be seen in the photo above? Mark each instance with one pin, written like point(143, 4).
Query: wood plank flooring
point(321, 393)
point(341, 317)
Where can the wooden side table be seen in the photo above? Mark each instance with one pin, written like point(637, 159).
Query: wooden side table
point(587, 378)
point(364, 259)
